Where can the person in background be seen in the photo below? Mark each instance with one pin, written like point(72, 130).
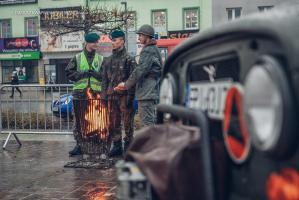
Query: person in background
point(85, 71)
point(146, 76)
point(117, 68)
point(15, 82)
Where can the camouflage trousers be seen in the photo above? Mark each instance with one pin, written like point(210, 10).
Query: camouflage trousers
point(79, 103)
point(147, 112)
point(120, 108)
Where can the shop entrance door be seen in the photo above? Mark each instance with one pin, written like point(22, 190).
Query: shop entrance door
point(60, 69)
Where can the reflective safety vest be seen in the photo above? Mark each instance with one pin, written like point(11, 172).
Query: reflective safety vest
point(83, 66)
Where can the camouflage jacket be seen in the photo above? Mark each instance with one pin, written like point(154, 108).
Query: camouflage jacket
point(147, 74)
point(116, 69)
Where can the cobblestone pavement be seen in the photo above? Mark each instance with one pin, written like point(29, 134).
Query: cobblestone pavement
point(35, 171)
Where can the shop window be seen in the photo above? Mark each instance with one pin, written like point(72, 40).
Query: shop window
point(159, 21)
point(11, 2)
point(5, 28)
point(50, 74)
point(233, 13)
point(264, 8)
point(27, 71)
point(31, 26)
point(191, 17)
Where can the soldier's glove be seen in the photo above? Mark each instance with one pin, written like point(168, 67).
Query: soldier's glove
point(110, 91)
point(83, 75)
point(104, 102)
point(92, 73)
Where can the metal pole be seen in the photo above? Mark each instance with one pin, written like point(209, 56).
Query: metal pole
point(124, 2)
point(126, 22)
point(198, 118)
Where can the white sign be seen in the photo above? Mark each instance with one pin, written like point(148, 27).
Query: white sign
point(209, 96)
point(61, 43)
point(11, 55)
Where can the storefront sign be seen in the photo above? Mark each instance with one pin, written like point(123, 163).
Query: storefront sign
point(54, 17)
point(24, 44)
point(181, 33)
point(20, 56)
point(67, 15)
point(61, 43)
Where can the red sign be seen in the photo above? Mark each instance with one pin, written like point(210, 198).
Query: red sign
point(24, 44)
point(181, 34)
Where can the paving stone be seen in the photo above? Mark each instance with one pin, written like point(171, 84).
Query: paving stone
point(35, 171)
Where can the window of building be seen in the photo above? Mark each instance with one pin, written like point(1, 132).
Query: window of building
point(159, 21)
point(191, 17)
point(5, 28)
point(264, 8)
point(10, 2)
point(233, 13)
point(31, 26)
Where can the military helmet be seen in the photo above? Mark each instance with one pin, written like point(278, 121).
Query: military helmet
point(146, 30)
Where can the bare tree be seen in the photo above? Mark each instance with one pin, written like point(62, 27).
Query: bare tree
point(99, 19)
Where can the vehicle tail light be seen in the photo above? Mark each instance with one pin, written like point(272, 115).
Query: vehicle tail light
point(283, 185)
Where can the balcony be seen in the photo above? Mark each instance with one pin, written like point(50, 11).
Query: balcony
point(12, 2)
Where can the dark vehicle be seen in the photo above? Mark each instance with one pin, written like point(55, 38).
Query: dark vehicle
point(245, 76)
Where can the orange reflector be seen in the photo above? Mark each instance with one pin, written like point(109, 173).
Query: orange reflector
point(283, 185)
point(235, 131)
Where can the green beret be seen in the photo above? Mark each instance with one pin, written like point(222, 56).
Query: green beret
point(117, 34)
point(91, 37)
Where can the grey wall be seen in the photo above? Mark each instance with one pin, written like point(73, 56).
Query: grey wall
point(219, 13)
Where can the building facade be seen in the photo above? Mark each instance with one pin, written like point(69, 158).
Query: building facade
point(226, 10)
point(27, 48)
point(19, 42)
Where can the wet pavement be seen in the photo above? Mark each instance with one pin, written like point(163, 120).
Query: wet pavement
point(35, 171)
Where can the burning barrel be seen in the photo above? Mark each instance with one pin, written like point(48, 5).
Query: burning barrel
point(92, 125)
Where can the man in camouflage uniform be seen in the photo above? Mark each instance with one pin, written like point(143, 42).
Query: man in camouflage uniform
point(146, 76)
point(85, 71)
point(116, 69)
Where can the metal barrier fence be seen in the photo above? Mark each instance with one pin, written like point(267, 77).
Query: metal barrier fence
point(42, 109)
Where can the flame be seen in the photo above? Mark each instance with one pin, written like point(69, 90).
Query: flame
point(102, 192)
point(95, 116)
point(283, 185)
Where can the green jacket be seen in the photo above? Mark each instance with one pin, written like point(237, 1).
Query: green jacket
point(147, 74)
point(74, 73)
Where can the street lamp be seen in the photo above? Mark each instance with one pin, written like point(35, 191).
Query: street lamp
point(124, 2)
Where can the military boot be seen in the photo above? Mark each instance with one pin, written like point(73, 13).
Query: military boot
point(126, 145)
point(117, 149)
point(76, 151)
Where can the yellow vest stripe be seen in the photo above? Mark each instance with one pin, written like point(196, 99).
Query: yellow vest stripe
point(83, 66)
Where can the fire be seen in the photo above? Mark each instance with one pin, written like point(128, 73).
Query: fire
point(283, 185)
point(96, 116)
